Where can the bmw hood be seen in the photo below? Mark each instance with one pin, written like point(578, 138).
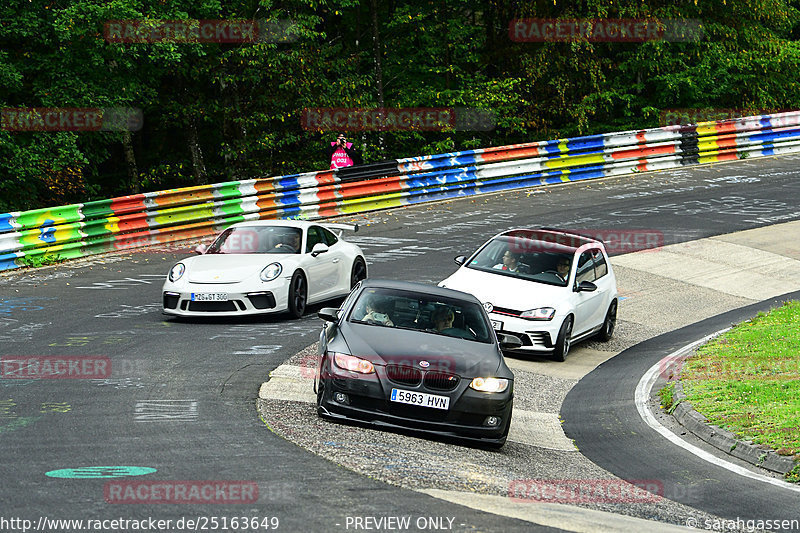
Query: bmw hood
point(426, 351)
point(227, 268)
point(505, 291)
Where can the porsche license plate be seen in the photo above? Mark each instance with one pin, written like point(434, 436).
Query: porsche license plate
point(421, 399)
point(209, 296)
point(496, 324)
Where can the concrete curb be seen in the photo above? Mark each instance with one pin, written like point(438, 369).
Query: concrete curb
point(724, 440)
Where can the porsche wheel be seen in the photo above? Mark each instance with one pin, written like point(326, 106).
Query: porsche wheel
point(358, 272)
point(563, 340)
point(298, 293)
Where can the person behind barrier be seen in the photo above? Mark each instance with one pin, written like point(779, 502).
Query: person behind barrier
point(342, 153)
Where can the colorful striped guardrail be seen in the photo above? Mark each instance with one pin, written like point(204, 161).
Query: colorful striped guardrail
point(78, 230)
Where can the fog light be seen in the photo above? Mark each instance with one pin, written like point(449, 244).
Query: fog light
point(341, 397)
point(492, 421)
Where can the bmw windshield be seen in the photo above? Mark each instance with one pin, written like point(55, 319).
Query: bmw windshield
point(422, 312)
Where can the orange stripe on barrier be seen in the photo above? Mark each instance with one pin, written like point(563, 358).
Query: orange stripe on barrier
point(133, 222)
point(644, 151)
point(504, 155)
point(181, 196)
point(372, 187)
point(262, 186)
point(127, 204)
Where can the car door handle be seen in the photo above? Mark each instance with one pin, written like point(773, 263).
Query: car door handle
point(335, 260)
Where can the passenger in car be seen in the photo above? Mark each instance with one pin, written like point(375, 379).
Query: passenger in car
point(377, 312)
point(442, 318)
point(510, 262)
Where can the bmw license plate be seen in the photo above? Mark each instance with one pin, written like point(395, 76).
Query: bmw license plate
point(209, 296)
point(496, 324)
point(421, 399)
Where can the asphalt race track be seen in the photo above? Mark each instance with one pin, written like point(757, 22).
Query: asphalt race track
point(181, 396)
point(601, 417)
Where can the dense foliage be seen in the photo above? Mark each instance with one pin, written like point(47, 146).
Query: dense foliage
point(216, 112)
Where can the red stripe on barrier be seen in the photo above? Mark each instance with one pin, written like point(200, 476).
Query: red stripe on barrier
point(643, 151)
point(127, 204)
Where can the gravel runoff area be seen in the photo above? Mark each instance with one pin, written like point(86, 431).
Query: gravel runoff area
point(418, 463)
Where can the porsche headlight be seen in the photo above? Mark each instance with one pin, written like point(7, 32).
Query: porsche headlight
point(353, 364)
point(176, 272)
point(542, 313)
point(271, 271)
point(489, 384)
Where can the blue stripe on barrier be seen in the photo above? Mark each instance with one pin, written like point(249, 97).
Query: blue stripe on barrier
point(7, 261)
point(771, 135)
point(5, 222)
point(590, 143)
point(551, 147)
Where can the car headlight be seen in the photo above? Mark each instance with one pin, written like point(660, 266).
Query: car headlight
point(489, 384)
point(542, 313)
point(353, 364)
point(176, 272)
point(271, 271)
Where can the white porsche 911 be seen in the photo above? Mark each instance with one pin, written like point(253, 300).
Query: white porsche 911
point(550, 288)
point(265, 266)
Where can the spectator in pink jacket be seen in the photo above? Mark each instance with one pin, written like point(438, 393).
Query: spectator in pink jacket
point(342, 153)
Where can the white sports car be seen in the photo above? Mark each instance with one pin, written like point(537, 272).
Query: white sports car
point(549, 288)
point(265, 266)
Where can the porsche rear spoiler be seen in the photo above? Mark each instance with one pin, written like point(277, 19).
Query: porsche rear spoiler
point(341, 227)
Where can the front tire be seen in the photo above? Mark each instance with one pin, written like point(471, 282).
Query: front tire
point(609, 324)
point(564, 340)
point(298, 295)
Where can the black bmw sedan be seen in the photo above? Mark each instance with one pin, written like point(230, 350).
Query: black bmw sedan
point(399, 354)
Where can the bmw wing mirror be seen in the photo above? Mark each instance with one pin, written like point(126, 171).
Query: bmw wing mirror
point(319, 248)
point(586, 286)
point(200, 249)
point(329, 314)
point(460, 260)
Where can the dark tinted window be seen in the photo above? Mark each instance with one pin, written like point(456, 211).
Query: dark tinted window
point(330, 238)
point(585, 268)
point(314, 236)
point(600, 265)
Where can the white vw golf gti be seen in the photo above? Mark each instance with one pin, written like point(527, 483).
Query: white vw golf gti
point(549, 288)
point(265, 266)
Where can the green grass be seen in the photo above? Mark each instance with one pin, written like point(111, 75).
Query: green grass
point(36, 261)
point(666, 394)
point(748, 380)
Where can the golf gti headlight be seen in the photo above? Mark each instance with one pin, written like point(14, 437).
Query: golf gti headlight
point(271, 271)
point(542, 313)
point(353, 364)
point(489, 384)
point(176, 272)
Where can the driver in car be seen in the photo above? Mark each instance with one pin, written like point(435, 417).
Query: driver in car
point(290, 244)
point(563, 268)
